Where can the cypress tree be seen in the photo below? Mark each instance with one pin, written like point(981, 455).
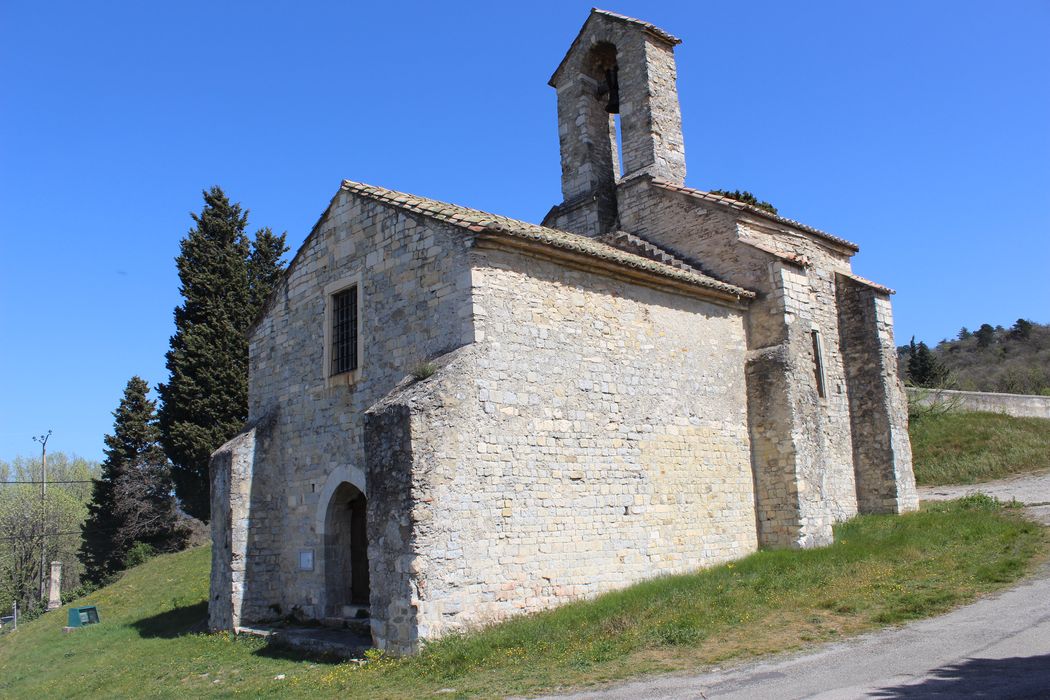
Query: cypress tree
point(225, 281)
point(924, 369)
point(132, 499)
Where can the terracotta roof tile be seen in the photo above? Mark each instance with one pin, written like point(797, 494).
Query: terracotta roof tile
point(482, 222)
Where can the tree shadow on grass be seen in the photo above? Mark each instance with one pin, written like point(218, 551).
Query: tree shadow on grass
point(293, 644)
point(1015, 678)
point(186, 619)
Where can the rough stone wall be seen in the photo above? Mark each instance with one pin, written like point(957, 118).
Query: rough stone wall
point(1020, 405)
point(878, 405)
point(415, 304)
point(609, 445)
point(420, 442)
point(802, 456)
point(231, 472)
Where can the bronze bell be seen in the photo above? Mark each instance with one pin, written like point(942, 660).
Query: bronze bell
point(612, 82)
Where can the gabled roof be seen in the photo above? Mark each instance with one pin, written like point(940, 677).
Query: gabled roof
point(650, 29)
point(740, 206)
point(483, 223)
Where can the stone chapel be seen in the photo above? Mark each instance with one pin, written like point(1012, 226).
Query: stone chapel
point(456, 417)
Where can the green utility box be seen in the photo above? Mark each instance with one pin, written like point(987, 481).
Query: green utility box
point(87, 615)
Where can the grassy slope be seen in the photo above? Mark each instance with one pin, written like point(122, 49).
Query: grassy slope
point(967, 448)
point(881, 570)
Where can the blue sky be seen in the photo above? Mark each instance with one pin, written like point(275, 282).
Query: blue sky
point(920, 130)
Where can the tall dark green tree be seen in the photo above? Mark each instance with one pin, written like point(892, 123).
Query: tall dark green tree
point(1022, 329)
point(985, 335)
point(226, 278)
point(132, 500)
point(923, 368)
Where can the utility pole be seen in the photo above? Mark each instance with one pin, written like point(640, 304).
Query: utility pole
point(42, 439)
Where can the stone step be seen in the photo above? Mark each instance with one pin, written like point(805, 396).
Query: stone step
point(357, 625)
point(354, 611)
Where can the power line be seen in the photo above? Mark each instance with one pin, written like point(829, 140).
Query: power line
point(39, 535)
point(50, 481)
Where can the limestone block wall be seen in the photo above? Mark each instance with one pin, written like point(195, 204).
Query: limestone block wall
point(878, 406)
point(610, 446)
point(802, 454)
point(414, 279)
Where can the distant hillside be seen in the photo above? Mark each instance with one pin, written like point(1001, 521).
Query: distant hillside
point(1013, 360)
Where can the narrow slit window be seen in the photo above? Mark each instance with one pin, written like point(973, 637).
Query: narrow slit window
point(818, 363)
point(344, 331)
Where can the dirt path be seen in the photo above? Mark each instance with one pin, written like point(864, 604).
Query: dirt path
point(1031, 489)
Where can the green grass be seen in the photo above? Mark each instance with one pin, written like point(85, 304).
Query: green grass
point(967, 448)
point(881, 570)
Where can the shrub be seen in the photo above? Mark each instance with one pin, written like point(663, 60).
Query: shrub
point(424, 370)
point(139, 553)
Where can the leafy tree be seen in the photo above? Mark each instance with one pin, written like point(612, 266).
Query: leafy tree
point(747, 198)
point(225, 281)
point(132, 500)
point(964, 333)
point(26, 521)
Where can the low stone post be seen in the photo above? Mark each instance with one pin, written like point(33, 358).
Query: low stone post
point(54, 598)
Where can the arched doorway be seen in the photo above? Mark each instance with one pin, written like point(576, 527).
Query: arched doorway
point(346, 551)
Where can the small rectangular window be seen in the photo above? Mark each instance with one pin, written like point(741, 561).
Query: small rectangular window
point(818, 363)
point(344, 331)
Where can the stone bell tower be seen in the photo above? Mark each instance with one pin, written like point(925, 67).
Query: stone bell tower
point(615, 66)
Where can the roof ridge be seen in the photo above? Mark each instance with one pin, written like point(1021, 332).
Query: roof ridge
point(737, 204)
point(478, 221)
point(665, 35)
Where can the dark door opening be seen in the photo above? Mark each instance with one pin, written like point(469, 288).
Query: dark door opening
point(346, 551)
point(358, 552)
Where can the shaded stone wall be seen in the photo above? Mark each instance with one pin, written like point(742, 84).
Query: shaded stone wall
point(231, 482)
point(878, 405)
point(415, 304)
point(609, 445)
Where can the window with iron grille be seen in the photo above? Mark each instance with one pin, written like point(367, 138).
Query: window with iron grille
point(344, 331)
